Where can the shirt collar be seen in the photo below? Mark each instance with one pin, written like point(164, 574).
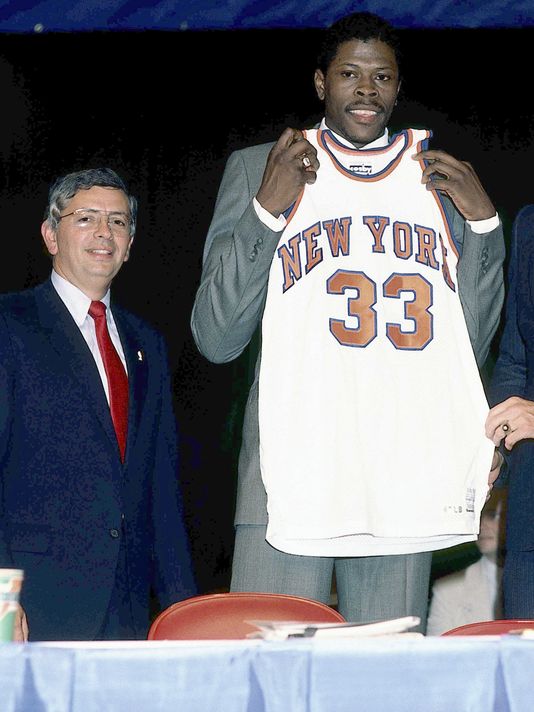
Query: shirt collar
point(379, 142)
point(74, 299)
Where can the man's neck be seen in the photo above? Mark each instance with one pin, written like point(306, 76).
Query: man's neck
point(94, 291)
point(68, 286)
point(376, 143)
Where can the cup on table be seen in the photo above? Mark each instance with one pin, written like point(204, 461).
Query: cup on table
point(10, 586)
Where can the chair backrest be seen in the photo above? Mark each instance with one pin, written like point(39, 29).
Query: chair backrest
point(224, 616)
point(497, 627)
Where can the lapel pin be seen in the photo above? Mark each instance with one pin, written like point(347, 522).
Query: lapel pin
point(139, 355)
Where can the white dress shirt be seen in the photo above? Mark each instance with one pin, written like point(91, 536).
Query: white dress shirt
point(78, 305)
point(467, 596)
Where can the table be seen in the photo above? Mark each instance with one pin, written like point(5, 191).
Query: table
point(463, 674)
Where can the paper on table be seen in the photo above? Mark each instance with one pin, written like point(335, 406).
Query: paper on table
point(281, 630)
point(524, 632)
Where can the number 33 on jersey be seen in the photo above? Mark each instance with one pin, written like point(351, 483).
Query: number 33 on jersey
point(366, 358)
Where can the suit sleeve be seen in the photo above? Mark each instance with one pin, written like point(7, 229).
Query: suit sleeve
point(480, 280)
point(173, 570)
point(510, 371)
point(237, 258)
point(5, 430)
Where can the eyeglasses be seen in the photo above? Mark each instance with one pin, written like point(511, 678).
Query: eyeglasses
point(90, 218)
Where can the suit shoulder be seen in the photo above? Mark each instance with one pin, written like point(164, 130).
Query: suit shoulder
point(523, 226)
point(258, 152)
point(18, 304)
point(526, 212)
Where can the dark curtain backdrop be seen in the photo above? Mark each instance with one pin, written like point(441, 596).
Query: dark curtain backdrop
point(165, 109)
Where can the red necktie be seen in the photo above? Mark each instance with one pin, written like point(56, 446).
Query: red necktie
point(115, 373)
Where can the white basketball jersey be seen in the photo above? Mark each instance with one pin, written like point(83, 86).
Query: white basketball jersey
point(371, 408)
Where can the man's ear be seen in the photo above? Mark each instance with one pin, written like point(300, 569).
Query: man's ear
point(319, 81)
point(398, 92)
point(127, 255)
point(49, 237)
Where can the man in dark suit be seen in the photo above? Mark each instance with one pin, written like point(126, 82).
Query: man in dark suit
point(511, 421)
point(90, 505)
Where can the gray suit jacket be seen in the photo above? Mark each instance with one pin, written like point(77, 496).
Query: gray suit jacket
point(231, 296)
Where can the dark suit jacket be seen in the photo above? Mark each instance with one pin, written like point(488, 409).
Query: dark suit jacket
point(513, 375)
point(63, 488)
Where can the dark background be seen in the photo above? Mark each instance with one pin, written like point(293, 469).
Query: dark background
point(165, 109)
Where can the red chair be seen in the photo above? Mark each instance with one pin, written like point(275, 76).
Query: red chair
point(223, 616)
point(498, 627)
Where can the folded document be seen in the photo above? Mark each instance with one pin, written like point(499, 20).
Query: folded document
point(282, 630)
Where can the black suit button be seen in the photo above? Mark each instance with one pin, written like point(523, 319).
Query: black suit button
point(114, 533)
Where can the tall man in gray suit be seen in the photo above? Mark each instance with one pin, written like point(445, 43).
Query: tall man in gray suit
point(378, 575)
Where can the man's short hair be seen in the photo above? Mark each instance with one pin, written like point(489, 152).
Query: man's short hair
point(363, 26)
point(65, 187)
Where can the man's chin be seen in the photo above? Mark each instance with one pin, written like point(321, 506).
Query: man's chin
point(362, 135)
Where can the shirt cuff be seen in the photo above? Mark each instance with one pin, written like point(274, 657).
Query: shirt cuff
point(275, 224)
point(480, 227)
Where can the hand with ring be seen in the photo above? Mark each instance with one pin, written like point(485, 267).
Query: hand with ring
point(511, 421)
point(292, 163)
